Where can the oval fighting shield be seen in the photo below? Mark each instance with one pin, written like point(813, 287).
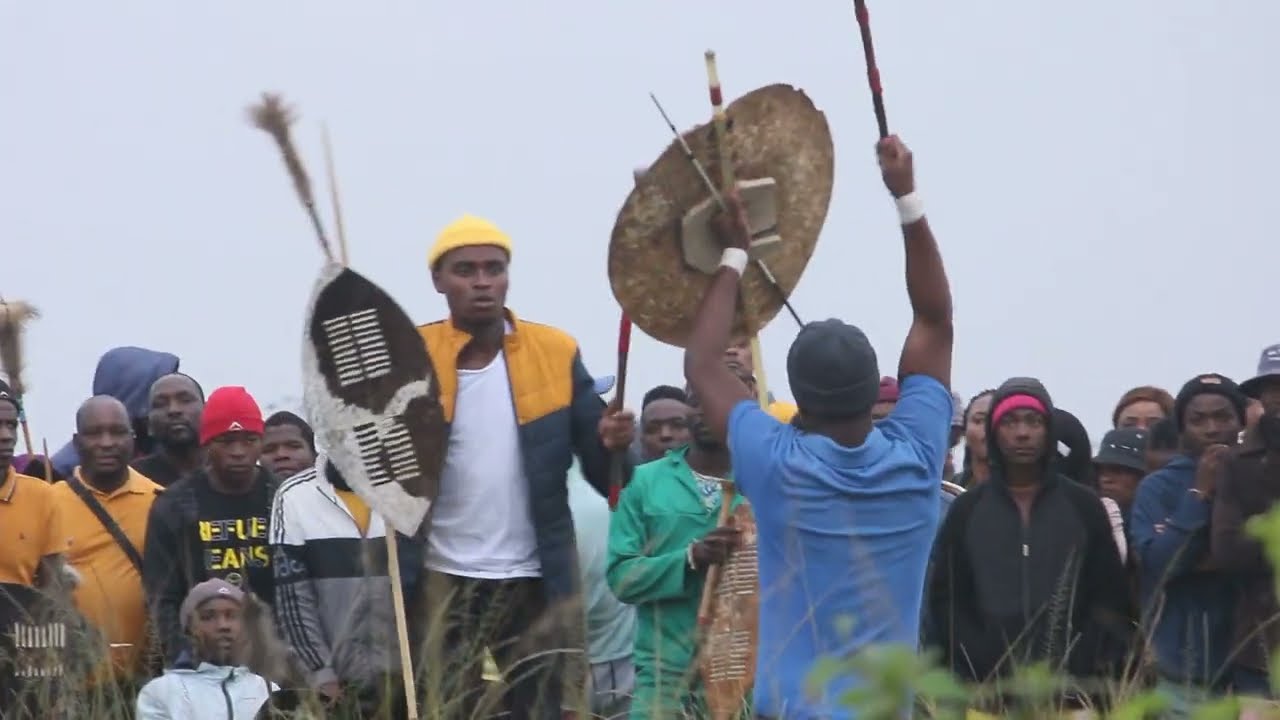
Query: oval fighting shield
point(42, 641)
point(371, 393)
point(727, 663)
point(662, 254)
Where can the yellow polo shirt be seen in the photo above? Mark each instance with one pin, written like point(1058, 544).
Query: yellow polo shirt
point(29, 527)
point(110, 593)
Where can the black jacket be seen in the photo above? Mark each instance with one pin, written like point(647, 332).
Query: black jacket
point(1004, 595)
point(175, 556)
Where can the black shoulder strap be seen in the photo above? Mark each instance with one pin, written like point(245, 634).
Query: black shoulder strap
point(107, 521)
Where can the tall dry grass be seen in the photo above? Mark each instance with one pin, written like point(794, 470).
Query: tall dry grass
point(897, 683)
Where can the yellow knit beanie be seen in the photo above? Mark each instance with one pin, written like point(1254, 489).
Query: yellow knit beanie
point(467, 231)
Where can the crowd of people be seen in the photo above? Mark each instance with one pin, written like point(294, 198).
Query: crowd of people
point(220, 562)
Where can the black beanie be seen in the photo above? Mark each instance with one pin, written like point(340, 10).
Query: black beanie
point(1209, 383)
point(833, 371)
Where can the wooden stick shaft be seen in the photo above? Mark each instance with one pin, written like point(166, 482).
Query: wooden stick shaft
point(762, 383)
point(706, 605)
point(26, 432)
point(617, 461)
point(393, 549)
point(332, 173)
point(48, 462)
point(721, 122)
point(402, 624)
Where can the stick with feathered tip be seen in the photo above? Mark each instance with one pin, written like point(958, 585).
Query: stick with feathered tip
point(273, 117)
point(14, 316)
point(332, 174)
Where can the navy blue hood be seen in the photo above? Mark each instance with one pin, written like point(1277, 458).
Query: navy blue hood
point(126, 374)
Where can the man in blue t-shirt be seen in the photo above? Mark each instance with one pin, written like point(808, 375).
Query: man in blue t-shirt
point(846, 509)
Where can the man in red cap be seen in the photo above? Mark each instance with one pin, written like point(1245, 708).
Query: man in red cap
point(212, 523)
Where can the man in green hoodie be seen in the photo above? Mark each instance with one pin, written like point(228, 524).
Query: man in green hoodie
point(662, 539)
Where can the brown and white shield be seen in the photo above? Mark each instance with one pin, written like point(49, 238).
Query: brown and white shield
point(662, 254)
point(371, 393)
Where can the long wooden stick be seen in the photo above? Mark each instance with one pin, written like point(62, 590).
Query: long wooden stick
point(707, 603)
point(48, 462)
point(873, 71)
point(393, 549)
point(617, 461)
point(402, 625)
point(728, 181)
point(330, 170)
point(719, 200)
point(757, 363)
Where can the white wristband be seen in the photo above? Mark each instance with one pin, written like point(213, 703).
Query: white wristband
point(910, 208)
point(735, 259)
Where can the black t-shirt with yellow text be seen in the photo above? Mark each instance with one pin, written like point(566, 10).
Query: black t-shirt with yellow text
point(233, 538)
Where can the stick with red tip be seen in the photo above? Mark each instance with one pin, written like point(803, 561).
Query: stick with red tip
point(616, 469)
point(873, 72)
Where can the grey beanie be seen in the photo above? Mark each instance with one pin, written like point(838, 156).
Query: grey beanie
point(203, 593)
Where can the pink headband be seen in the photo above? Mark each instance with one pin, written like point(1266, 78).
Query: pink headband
point(1017, 402)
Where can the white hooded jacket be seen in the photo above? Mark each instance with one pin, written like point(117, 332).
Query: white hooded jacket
point(209, 692)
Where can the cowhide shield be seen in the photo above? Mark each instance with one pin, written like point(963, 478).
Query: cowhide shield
point(372, 397)
point(42, 641)
point(728, 659)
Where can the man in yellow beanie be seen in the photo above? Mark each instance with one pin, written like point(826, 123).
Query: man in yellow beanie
point(501, 556)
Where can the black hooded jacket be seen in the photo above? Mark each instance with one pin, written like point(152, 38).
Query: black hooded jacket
point(1004, 595)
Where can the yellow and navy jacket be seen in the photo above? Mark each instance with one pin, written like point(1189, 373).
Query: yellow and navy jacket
point(558, 413)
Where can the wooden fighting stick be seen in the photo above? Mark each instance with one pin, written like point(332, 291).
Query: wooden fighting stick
point(393, 549)
point(727, 490)
point(274, 118)
point(48, 464)
point(719, 200)
point(873, 72)
point(617, 462)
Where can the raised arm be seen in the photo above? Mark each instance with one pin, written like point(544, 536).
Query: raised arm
point(927, 350)
point(717, 388)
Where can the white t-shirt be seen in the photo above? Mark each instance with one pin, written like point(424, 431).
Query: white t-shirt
point(480, 524)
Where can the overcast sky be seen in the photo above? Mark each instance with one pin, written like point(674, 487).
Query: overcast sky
point(1100, 175)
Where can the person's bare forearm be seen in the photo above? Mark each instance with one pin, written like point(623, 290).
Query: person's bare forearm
point(704, 353)
point(927, 284)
